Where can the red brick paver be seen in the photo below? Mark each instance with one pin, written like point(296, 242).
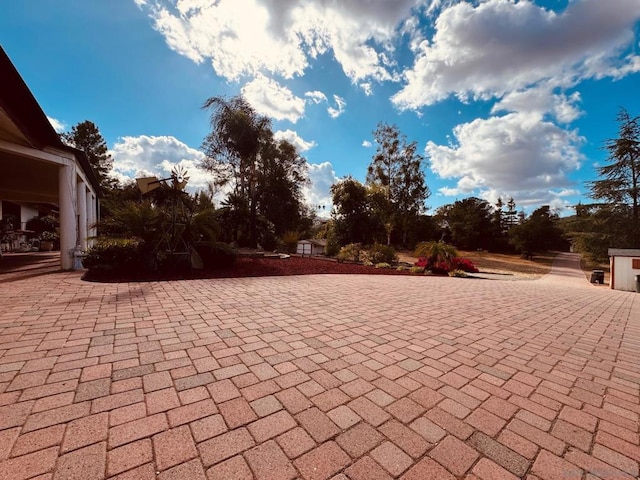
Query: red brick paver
point(369, 378)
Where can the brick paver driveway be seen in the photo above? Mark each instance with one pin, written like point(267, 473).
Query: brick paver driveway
point(344, 377)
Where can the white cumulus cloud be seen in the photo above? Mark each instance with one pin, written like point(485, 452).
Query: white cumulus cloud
point(295, 139)
point(367, 144)
point(272, 99)
point(57, 125)
point(540, 101)
point(318, 192)
point(494, 47)
point(155, 156)
point(517, 153)
point(281, 36)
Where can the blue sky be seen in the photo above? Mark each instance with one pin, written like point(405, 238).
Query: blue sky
point(505, 98)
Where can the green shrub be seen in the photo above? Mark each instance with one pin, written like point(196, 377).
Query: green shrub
point(438, 257)
point(269, 242)
point(39, 225)
point(383, 265)
point(350, 253)
point(215, 255)
point(117, 255)
point(290, 240)
point(402, 268)
point(416, 270)
point(379, 253)
point(458, 273)
point(436, 252)
point(333, 246)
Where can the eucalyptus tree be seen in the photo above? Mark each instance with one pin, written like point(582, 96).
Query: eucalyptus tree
point(353, 212)
point(281, 175)
point(397, 169)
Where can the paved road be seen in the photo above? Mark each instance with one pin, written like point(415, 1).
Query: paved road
point(320, 377)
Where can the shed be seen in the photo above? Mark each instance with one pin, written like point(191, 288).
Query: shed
point(625, 265)
point(311, 247)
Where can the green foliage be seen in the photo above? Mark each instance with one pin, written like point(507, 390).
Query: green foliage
point(232, 149)
point(383, 265)
point(353, 217)
point(266, 234)
point(402, 268)
point(39, 225)
point(416, 269)
point(421, 228)
point(48, 236)
point(141, 220)
point(86, 136)
point(282, 173)
point(350, 253)
point(290, 240)
point(379, 253)
point(166, 226)
point(396, 172)
point(469, 223)
point(215, 255)
point(620, 182)
point(458, 273)
point(539, 232)
point(596, 228)
point(117, 255)
point(267, 175)
point(117, 195)
point(436, 252)
point(333, 246)
point(200, 225)
point(594, 245)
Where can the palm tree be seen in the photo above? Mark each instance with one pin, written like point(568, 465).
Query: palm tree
point(232, 148)
point(436, 252)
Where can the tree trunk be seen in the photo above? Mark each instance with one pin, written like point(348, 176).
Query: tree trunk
point(253, 215)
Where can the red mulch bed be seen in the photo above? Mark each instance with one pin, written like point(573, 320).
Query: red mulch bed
point(264, 267)
point(256, 267)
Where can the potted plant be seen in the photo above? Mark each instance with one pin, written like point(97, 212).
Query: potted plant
point(46, 241)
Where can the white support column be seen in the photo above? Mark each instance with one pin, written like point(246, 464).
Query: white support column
point(82, 214)
point(91, 217)
point(68, 225)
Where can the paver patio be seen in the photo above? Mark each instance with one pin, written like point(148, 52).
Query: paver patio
point(319, 377)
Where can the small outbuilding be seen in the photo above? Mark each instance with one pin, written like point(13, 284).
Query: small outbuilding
point(311, 247)
point(625, 268)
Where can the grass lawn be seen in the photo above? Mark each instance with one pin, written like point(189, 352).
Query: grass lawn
point(512, 264)
point(501, 263)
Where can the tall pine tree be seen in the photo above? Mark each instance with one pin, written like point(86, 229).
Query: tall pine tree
point(86, 136)
point(620, 182)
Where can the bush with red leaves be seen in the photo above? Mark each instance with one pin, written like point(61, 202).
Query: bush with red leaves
point(456, 263)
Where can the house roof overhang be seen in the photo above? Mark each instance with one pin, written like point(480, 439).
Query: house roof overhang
point(23, 121)
point(624, 252)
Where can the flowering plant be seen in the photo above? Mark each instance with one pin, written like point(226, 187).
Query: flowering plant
point(446, 266)
point(48, 236)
